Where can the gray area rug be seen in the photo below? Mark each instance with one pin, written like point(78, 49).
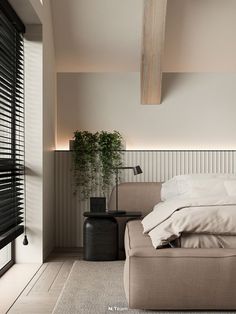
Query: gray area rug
point(96, 288)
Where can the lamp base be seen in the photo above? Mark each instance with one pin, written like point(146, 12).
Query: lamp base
point(116, 212)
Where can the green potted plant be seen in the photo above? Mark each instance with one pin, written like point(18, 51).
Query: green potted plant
point(95, 155)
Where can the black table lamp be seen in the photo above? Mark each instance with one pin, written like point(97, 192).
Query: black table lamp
point(137, 170)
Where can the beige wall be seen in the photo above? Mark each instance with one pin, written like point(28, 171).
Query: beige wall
point(198, 110)
point(33, 253)
point(40, 92)
point(48, 123)
point(49, 129)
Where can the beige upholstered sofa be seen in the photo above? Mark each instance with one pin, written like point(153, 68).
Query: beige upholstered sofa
point(172, 278)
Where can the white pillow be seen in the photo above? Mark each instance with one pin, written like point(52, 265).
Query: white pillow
point(208, 187)
point(169, 189)
point(178, 186)
point(230, 187)
point(196, 185)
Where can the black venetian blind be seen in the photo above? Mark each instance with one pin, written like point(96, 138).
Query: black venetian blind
point(11, 124)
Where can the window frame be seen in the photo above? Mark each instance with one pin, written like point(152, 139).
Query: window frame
point(9, 264)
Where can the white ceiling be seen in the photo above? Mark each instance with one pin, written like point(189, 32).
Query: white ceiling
point(200, 36)
point(105, 35)
point(97, 35)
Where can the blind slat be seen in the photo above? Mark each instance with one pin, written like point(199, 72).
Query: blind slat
point(11, 125)
point(11, 222)
point(11, 205)
point(10, 211)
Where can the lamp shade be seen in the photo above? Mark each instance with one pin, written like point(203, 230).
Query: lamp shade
point(137, 170)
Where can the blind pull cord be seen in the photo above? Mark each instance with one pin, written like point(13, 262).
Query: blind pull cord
point(25, 241)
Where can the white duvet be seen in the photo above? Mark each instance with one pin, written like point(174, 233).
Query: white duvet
point(171, 218)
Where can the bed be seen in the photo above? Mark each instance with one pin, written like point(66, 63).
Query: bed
point(196, 211)
point(180, 274)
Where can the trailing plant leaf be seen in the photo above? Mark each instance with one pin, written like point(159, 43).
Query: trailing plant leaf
point(110, 145)
point(95, 156)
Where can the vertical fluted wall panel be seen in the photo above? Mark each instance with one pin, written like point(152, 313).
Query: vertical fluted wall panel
point(156, 165)
point(65, 201)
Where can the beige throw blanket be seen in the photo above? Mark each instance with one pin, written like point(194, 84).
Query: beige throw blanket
point(170, 219)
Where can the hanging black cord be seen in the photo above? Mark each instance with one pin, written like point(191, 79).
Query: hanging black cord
point(25, 241)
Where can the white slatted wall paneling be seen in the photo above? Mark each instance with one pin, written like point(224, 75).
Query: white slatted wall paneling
point(156, 165)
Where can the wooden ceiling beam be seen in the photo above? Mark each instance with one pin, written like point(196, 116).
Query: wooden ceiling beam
point(154, 18)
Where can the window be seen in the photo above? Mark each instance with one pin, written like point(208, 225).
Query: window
point(11, 129)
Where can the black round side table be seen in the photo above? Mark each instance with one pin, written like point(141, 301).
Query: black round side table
point(100, 238)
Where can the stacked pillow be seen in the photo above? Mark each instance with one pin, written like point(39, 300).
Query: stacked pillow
point(199, 185)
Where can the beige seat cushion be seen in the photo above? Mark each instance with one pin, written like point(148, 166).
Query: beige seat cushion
point(176, 278)
point(138, 244)
point(136, 238)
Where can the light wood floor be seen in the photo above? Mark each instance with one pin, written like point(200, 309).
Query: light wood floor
point(41, 294)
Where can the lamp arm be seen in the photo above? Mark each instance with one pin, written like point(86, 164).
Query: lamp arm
point(117, 168)
point(137, 170)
